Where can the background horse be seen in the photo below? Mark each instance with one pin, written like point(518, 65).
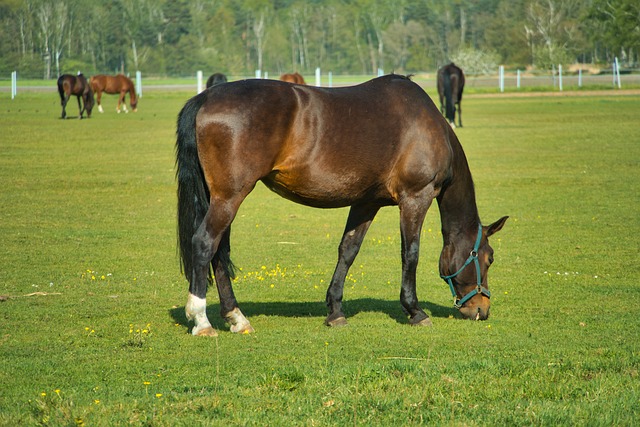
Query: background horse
point(450, 87)
point(377, 144)
point(118, 84)
point(216, 79)
point(75, 85)
point(293, 78)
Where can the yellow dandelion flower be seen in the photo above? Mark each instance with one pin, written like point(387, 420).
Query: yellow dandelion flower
point(96, 401)
point(146, 383)
point(57, 391)
point(43, 394)
point(93, 277)
point(103, 277)
point(158, 395)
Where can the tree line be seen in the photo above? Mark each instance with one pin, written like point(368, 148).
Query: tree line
point(43, 38)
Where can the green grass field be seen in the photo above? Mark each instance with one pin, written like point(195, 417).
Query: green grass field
point(92, 328)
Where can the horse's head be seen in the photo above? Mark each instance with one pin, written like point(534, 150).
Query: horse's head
point(464, 265)
point(89, 102)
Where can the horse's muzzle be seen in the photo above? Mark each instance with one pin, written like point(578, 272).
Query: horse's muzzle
point(476, 311)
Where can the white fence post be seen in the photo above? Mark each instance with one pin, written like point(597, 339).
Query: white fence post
point(560, 77)
point(258, 74)
point(616, 73)
point(501, 78)
point(580, 77)
point(518, 79)
point(139, 83)
point(14, 84)
point(199, 81)
point(318, 76)
point(330, 79)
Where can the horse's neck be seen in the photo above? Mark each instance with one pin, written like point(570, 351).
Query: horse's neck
point(457, 201)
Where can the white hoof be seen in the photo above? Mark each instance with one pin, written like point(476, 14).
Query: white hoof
point(239, 323)
point(196, 310)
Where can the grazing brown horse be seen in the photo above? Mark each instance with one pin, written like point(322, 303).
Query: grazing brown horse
point(75, 85)
point(216, 79)
point(293, 78)
point(377, 144)
point(450, 87)
point(118, 84)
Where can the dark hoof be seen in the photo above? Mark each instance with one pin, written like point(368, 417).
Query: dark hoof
point(423, 322)
point(336, 320)
point(420, 319)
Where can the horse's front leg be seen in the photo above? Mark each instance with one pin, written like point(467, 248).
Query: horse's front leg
point(99, 101)
point(358, 222)
point(122, 102)
point(459, 114)
point(412, 213)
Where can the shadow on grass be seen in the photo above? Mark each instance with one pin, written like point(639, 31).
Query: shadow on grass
point(315, 309)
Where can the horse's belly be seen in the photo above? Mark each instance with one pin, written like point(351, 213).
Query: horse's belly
point(322, 191)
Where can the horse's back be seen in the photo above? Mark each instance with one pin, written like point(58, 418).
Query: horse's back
point(322, 147)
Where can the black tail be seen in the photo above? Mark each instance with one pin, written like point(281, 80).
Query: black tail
point(450, 106)
point(193, 195)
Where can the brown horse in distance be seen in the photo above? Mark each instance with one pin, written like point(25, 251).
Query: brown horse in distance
point(295, 78)
point(380, 143)
point(75, 85)
point(115, 85)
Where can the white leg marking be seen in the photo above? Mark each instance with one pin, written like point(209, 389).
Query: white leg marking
point(239, 323)
point(100, 108)
point(196, 310)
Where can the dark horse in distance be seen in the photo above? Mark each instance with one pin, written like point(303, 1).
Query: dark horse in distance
point(377, 144)
point(115, 85)
point(216, 79)
point(68, 85)
point(450, 87)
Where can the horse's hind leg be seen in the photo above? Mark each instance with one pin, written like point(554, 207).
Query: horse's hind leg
point(64, 101)
point(82, 106)
point(213, 235)
point(459, 114)
point(122, 102)
point(228, 304)
point(358, 222)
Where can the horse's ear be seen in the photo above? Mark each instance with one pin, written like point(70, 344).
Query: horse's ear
point(496, 226)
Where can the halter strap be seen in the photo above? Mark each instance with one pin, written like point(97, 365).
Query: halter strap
point(473, 257)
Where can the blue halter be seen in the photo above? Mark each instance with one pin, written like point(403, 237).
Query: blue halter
point(473, 257)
